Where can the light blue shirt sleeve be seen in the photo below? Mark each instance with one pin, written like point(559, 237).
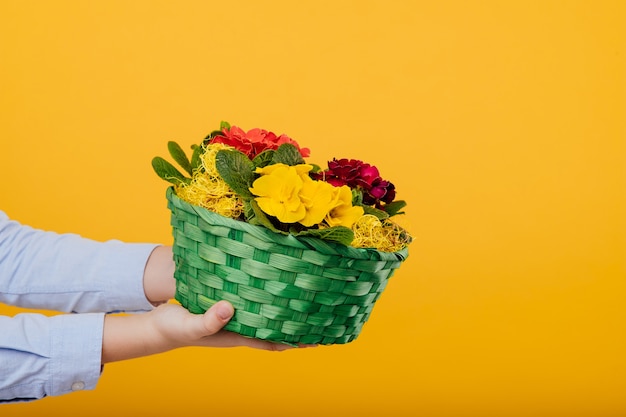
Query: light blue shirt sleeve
point(69, 273)
point(46, 356)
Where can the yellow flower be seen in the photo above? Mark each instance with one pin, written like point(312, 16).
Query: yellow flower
point(289, 194)
point(318, 199)
point(343, 213)
point(278, 192)
point(302, 169)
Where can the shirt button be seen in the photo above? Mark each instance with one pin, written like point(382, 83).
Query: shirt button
point(77, 386)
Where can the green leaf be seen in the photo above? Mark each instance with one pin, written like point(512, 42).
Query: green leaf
point(168, 172)
point(254, 215)
point(264, 158)
point(287, 154)
point(179, 156)
point(316, 168)
point(196, 163)
point(339, 234)
point(224, 125)
point(248, 211)
point(394, 208)
point(357, 197)
point(380, 214)
point(237, 170)
point(212, 135)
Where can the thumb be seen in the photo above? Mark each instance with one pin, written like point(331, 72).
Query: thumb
point(215, 318)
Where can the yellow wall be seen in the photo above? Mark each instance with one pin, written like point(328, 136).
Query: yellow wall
point(500, 122)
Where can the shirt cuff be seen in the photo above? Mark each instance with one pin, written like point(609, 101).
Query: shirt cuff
point(76, 352)
point(44, 356)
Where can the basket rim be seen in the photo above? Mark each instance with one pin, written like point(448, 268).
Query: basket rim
point(304, 242)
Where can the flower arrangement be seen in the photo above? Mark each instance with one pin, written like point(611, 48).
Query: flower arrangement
point(302, 252)
point(263, 179)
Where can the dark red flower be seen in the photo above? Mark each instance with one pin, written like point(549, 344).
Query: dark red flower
point(362, 176)
point(381, 191)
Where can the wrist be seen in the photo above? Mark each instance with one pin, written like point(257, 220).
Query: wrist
point(158, 280)
point(136, 335)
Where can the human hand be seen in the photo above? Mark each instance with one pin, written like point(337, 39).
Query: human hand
point(170, 326)
point(180, 328)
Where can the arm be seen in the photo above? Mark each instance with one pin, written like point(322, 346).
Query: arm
point(69, 273)
point(41, 356)
point(169, 326)
point(49, 356)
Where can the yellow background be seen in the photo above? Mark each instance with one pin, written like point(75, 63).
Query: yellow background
point(500, 122)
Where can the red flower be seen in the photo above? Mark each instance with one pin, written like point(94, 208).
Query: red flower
point(254, 141)
point(360, 175)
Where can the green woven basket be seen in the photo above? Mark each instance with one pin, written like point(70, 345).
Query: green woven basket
point(284, 288)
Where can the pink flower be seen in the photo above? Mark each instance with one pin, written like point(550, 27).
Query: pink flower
point(254, 141)
point(362, 176)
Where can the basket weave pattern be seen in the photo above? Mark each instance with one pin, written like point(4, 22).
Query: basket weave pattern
point(284, 288)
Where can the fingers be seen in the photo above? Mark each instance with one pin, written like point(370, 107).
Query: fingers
point(198, 326)
point(228, 339)
point(207, 328)
point(217, 317)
